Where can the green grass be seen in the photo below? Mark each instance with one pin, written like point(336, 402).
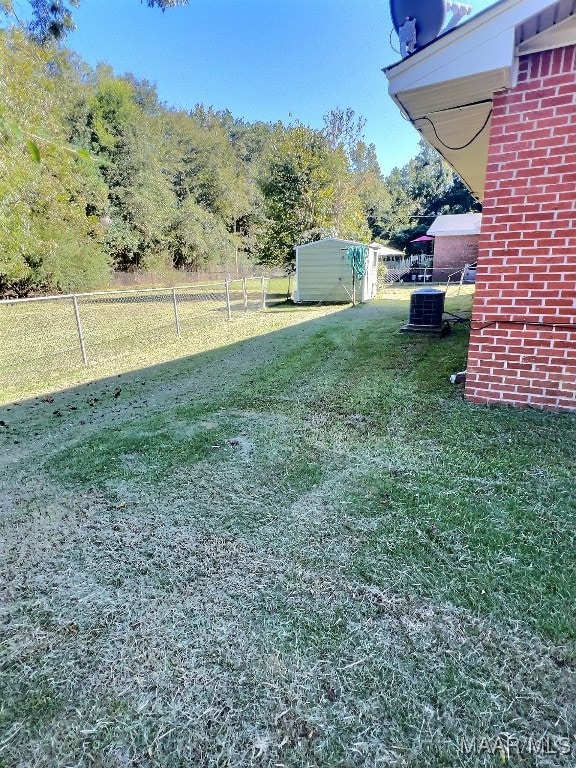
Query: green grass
point(40, 348)
point(297, 549)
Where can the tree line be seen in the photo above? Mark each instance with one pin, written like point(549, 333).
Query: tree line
point(98, 175)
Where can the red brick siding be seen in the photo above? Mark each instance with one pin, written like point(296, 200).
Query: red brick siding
point(453, 252)
point(527, 250)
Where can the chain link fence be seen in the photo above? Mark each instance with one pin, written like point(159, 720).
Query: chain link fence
point(46, 338)
point(407, 272)
point(59, 333)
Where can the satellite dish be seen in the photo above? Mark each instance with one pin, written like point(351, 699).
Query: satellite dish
point(428, 15)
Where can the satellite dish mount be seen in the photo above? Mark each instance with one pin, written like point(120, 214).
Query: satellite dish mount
point(407, 36)
point(417, 22)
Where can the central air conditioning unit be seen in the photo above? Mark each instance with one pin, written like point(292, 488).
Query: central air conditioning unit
point(426, 310)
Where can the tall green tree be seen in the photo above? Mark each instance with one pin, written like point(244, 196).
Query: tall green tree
point(308, 194)
point(128, 145)
point(209, 187)
point(199, 238)
point(342, 128)
point(50, 230)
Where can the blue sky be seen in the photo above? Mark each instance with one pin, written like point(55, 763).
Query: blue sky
point(261, 59)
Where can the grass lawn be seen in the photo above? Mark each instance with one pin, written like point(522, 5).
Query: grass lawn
point(296, 545)
point(41, 351)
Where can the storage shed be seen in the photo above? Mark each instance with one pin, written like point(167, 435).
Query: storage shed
point(324, 273)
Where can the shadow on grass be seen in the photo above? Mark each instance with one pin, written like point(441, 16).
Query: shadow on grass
point(286, 543)
point(474, 491)
point(365, 337)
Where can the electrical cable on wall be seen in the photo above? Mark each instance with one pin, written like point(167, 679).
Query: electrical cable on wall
point(456, 149)
point(481, 327)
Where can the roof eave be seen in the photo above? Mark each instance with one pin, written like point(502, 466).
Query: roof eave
point(452, 233)
point(446, 88)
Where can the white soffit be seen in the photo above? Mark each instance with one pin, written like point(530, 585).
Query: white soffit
point(455, 130)
point(455, 93)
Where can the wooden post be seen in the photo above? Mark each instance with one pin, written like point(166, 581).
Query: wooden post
point(228, 305)
point(263, 281)
point(176, 317)
point(245, 292)
point(79, 328)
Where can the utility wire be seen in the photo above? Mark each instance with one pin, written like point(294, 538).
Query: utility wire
point(391, 46)
point(456, 149)
point(521, 322)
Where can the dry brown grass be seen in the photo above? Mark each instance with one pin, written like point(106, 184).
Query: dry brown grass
point(228, 565)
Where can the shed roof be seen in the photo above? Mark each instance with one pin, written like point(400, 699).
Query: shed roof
point(446, 88)
point(456, 224)
point(331, 239)
point(385, 250)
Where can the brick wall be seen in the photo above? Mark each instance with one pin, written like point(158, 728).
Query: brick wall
point(451, 253)
point(522, 348)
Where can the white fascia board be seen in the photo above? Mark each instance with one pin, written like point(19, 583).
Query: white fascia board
point(464, 58)
point(484, 43)
point(455, 232)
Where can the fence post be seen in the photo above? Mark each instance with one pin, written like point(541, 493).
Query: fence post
point(228, 306)
point(245, 292)
point(176, 317)
point(263, 281)
point(79, 328)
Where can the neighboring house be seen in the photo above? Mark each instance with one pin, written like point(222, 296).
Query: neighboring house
point(497, 97)
point(385, 253)
point(395, 264)
point(455, 244)
point(324, 274)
